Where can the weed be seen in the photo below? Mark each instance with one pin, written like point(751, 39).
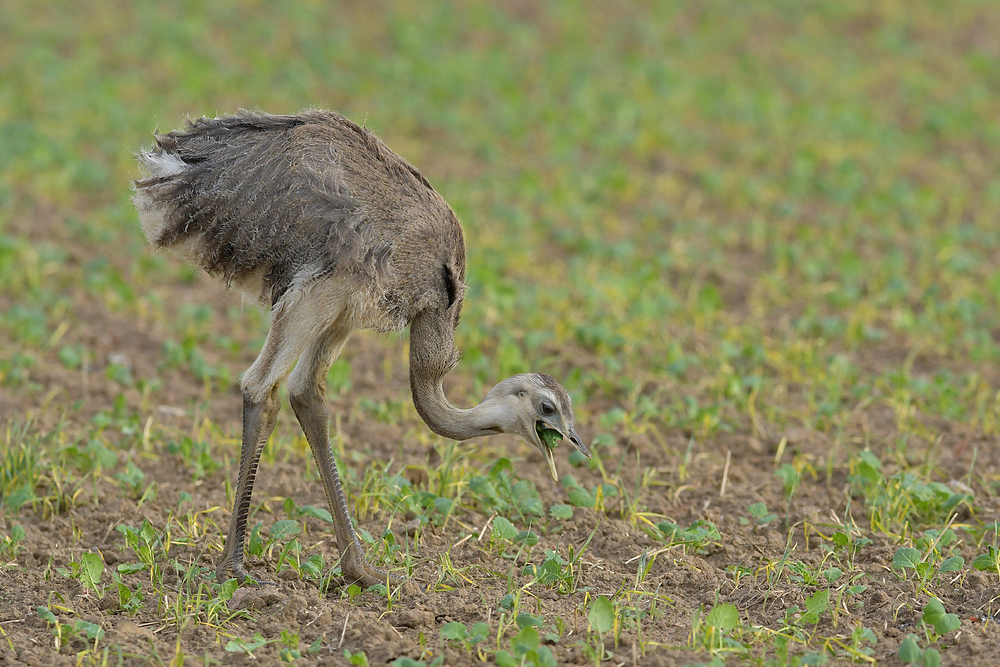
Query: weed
point(719, 631)
point(66, 632)
point(468, 638)
point(989, 561)
point(196, 454)
point(936, 622)
point(88, 570)
point(10, 545)
point(699, 537)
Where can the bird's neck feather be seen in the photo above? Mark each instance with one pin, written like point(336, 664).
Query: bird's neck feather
point(432, 356)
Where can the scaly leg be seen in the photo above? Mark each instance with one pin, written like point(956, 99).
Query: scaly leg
point(258, 422)
point(307, 393)
point(285, 341)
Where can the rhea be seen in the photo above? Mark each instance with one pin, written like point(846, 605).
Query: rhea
point(314, 218)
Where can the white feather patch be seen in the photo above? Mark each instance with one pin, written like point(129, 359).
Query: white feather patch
point(162, 165)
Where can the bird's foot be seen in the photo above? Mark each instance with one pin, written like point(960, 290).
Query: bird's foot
point(357, 571)
point(232, 566)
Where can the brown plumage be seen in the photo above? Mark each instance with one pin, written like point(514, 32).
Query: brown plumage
point(315, 218)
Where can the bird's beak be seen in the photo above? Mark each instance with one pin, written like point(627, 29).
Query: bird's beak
point(577, 442)
point(547, 453)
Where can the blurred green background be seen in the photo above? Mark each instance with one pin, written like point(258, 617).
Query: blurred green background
point(694, 212)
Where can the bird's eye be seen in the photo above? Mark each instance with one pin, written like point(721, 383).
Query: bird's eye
point(547, 408)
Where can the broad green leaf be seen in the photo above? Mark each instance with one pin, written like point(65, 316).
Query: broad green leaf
point(563, 512)
point(92, 567)
point(529, 537)
point(581, 498)
point(46, 614)
point(723, 617)
point(525, 640)
point(504, 528)
point(505, 659)
point(237, 645)
point(525, 620)
point(320, 513)
point(454, 631)
point(909, 651)
point(131, 568)
point(906, 557)
point(532, 506)
point(228, 588)
point(987, 561)
point(869, 466)
point(934, 615)
point(284, 528)
point(864, 634)
point(932, 657)
point(313, 566)
point(601, 615)
point(407, 662)
point(951, 564)
point(815, 605)
point(92, 630)
point(443, 505)
point(501, 465)
point(479, 632)
point(147, 533)
point(18, 498)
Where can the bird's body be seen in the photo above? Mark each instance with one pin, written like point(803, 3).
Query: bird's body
point(315, 218)
point(295, 206)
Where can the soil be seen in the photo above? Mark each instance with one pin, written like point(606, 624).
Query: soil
point(724, 475)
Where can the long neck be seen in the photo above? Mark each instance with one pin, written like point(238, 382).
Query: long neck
point(432, 356)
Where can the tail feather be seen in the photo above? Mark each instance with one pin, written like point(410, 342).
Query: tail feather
point(248, 200)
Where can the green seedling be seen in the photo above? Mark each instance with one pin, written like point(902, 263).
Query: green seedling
point(129, 601)
point(595, 498)
point(910, 653)
point(796, 621)
point(500, 491)
point(196, 454)
point(468, 638)
point(909, 558)
point(937, 621)
point(526, 649)
point(602, 618)
point(359, 659)
point(760, 515)
point(410, 662)
point(989, 561)
point(718, 632)
point(88, 570)
point(65, 632)
point(856, 650)
point(131, 479)
point(9, 546)
point(147, 545)
point(238, 645)
point(699, 537)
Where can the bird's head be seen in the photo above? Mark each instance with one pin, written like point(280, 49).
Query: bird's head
point(540, 411)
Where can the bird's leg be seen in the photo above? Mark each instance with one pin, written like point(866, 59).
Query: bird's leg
point(311, 411)
point(258, 422)
point(307, 394)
